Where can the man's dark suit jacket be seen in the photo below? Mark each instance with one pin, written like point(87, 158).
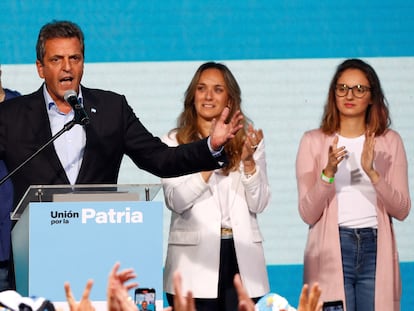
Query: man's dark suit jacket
point(113, 131)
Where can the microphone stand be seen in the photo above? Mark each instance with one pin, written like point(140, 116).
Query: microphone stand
point(65, 128)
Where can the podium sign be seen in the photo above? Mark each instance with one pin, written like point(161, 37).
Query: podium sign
point(55, 242)
point(85, 192)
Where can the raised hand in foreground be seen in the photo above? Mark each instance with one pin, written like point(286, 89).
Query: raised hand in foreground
point(309, 300)
point(118, 298)
point(181, 302)
point(245, 303)
point(85, 304)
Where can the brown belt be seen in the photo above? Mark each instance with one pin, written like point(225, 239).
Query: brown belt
point(226, 233)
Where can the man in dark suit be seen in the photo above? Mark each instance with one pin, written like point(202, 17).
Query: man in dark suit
point(91, 153)
point(29, 121)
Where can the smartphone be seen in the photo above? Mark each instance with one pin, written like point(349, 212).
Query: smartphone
point(336, 305)
point(145, 299)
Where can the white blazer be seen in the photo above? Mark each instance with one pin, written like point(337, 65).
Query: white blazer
point(194, 237)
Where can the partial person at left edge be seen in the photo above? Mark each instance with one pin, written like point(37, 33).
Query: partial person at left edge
point(6, 93)
point(6, 205)
point(92, 153)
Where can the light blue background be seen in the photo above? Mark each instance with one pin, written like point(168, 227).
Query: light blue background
point(127, 31)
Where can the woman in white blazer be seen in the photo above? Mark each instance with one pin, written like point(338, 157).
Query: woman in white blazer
point(214, 232)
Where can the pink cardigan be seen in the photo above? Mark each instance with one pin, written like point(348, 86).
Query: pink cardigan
point(318, 208)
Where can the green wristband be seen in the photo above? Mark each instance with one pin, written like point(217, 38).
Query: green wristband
point(327, 179)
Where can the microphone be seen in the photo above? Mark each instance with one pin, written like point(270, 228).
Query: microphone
point(81, 116)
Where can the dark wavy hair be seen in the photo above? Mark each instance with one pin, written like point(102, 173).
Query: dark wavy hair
point(377, 116)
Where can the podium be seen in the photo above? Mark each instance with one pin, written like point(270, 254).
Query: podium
point(75, 233)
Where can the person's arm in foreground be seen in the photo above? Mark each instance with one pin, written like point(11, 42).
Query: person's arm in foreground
point(85, 304)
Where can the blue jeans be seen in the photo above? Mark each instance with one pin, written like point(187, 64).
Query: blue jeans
point(359, 257)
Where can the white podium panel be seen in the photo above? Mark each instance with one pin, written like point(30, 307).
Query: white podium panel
point(54, 242)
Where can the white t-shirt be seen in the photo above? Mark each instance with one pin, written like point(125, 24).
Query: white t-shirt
point(357, 199)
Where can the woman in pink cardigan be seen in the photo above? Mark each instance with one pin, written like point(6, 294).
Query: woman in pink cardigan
point(352, 181)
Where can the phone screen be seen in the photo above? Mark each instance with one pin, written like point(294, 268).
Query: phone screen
point(337, 305)
point(145, 299)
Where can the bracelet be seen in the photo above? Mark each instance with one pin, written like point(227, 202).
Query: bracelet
point(327, 179)
point(250, 174)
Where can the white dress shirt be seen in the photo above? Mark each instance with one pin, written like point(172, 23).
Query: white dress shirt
point(71, 144)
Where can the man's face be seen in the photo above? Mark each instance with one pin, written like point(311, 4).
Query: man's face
point(62, 67)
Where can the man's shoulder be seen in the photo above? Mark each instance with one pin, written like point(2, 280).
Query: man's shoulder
point(100, 93)
point(98, 99)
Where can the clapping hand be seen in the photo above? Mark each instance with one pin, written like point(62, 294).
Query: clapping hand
point(252, 140)
point(335, 156)
point(367, 156)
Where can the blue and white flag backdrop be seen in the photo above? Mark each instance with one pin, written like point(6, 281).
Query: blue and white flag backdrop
point(283, 54)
